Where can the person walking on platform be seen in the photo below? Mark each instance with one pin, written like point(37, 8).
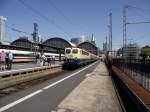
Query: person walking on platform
point(10, 60)
point(3, 56)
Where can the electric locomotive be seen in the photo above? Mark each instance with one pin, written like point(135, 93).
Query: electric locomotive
point(76, 57)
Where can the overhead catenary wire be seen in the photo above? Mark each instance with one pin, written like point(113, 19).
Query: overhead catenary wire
point(52, 4)
point(17, 30)
point(141, 22)
point(137, 22)
point(60, 12)
point(142, 14)
point(42, 16)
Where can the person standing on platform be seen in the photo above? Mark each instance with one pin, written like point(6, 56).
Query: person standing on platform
point(37, 57)
point(53, 59)
point(43, 60)
point(3, 56)
point(0, 63)
point(49, 61)
point(10, 60)
point(7, 60)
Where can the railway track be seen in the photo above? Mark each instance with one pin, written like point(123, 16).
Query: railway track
point(27, 84)
point(13, 77)
point(13, 82)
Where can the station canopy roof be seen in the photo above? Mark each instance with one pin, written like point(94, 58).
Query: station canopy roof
point(57, 42)
point(22, 42)
point(88, 46)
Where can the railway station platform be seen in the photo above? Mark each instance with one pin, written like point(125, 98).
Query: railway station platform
point(23, 72)
point(18, 66)
point(96, 93)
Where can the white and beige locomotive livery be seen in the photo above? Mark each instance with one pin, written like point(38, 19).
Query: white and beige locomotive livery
point(75, 57)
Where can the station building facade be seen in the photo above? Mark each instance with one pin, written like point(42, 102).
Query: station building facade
point(55, 44)
point(22, 42)
point(131, 51)
point(51, 44)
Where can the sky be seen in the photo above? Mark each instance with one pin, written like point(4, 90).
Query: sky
point(73, 18)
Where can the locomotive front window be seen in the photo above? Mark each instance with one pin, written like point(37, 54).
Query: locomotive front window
point(68, 51)
point(75, 51)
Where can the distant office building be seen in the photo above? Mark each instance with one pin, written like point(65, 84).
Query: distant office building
point(81, 39)
point(105, 47)
point(131, 51)
point(78, 40)
point(2, 28)
point(91, 39)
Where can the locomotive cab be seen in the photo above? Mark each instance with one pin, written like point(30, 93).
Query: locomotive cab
point(71, 58)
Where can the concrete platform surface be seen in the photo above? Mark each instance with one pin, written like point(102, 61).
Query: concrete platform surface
point(19, 66)
point(94, 94)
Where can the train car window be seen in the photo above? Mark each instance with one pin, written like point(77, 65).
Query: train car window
point(85, 53)
point(75, 51)
point(68, 51)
